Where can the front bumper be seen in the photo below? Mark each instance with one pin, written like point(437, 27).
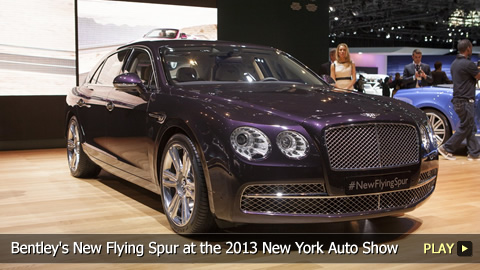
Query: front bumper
point(308, 200)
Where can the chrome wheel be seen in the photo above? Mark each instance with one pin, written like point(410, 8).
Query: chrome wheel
point(79, 163)
point(184, 191)
point(178, 184)
point(441, 128)
point(73, 145)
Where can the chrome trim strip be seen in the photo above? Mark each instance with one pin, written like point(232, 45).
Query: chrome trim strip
point(93, 148)
point(289, 196)
point(379, 206)
point(340, 196)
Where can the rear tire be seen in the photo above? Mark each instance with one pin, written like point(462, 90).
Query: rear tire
point(183, 188)
point(440, 124)
point(79, 163)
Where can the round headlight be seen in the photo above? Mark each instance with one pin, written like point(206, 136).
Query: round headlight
point(292, 144)
point(250, 143)
point(425, 137)
point(431, 134)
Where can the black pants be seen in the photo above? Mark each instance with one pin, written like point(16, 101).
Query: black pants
point(467, 129)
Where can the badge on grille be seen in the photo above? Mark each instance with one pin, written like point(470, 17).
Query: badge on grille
point(371, 115)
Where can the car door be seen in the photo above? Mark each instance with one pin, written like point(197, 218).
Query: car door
point(127, 128)
point(93, 101)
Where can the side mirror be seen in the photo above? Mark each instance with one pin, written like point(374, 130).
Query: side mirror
point(183, 35)
point(129, 83)
point(328, 79)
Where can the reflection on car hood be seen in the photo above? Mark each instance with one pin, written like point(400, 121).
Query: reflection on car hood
point(298, 102)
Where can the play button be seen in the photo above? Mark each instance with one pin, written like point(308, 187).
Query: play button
point(464, 248)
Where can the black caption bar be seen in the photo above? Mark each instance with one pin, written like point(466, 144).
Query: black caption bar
point(239, 248)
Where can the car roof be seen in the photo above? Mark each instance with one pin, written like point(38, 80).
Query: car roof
point(155, 43)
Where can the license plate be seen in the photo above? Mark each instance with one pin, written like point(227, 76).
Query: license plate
point(376, 183)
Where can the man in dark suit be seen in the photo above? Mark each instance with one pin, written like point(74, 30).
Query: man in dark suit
point(417, 74)
point(325, 67)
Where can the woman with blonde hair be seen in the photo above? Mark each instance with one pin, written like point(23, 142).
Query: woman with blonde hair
point(343, 69)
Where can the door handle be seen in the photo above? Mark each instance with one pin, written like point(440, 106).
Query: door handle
point(159, 116)
point(82, 103)
point(110, 106)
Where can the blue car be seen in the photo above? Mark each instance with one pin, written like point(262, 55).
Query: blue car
point(435, 101)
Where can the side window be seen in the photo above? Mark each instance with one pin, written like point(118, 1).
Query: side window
point(141, 64)
point(111, 68)
point(97, 72)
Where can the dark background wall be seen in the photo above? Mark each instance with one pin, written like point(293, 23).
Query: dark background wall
point(302, 33)
point(32, 122)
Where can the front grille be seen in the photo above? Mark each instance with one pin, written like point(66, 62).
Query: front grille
point(375, 145)
point(285, 189)
point(332, 205)
point(425, 176)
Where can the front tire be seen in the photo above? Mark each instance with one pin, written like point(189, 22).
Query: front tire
point(440, 124)
point(79, 163)
point(183, 188)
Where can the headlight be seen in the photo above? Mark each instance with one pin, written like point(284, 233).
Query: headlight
point(427, 134)
point(431, 134)
point(250, 143)
point(292, 144)
point(424, 135)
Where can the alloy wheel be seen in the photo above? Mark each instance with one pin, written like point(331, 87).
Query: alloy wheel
point(439, 127)
point(178, 184)
point(73, 145)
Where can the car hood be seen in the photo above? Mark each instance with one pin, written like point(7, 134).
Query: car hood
point(260, 102)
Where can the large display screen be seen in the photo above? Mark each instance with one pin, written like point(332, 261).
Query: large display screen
point(37, 40)
point(37, 47)
point(104, 25)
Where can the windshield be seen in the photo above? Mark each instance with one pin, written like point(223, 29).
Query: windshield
point(162, 33)
point(206, 64)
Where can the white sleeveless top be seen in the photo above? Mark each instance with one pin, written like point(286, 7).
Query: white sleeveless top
point(342, 70)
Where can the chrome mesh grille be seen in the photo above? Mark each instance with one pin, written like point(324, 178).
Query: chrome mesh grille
point(330, 205)
point(376, 145)
point(284, 189)
point(404, 197)
point(425, 176)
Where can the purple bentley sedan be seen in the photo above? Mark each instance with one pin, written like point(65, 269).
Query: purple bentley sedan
point(238, 133)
